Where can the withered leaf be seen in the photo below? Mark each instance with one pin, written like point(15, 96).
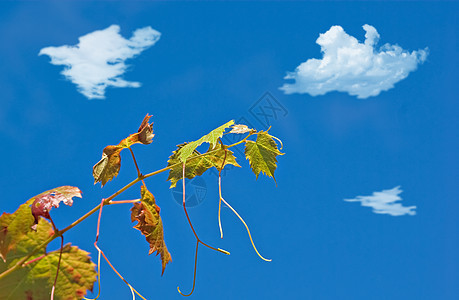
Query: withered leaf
point(146, 213)
point(240, 129)
point(145, 131)
point(144, 135)
point(43, 202)
point(109, 165)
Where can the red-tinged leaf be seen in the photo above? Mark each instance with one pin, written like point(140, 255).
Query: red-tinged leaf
point(146, 213)
point(109, 165)
point(43, 202)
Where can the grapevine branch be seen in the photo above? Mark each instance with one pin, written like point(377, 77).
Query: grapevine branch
point(107, 201)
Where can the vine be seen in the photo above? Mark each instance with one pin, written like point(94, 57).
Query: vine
point(30, 271)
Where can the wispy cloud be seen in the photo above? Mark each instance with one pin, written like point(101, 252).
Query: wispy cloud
point(359, 69)
point(384, 202)
point(98, 60)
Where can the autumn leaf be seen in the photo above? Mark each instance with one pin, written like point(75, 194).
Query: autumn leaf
point(211, 138)
point(43, 202)
point(196, 166)
point(109, 165)
point(143, 136)
point(262, 154)
point(146, 213)
point(35, 279)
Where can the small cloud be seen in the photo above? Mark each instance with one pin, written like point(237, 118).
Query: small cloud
point(359, 69)
point(384, 202)
point(98, 60)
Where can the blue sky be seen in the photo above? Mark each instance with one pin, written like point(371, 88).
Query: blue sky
point(213, 62)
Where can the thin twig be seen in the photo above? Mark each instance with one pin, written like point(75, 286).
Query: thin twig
point(98, 221)
point(117, 273)
point(189, 220)
point(220, 204)
point(248, 231)
point(125, 201)
point(58, 266)
point(103, 254)
point(195, 234)
point(194, 274)
point(220, 192)
point(135, 162)
point(34, 260)
point(98, 278)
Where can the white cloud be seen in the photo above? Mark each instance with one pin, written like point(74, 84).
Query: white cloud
point(384, 202)
point(359, 69)
point(98, 60)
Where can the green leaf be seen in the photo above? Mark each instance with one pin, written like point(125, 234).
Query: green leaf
point(13, 227)
point(211, 138)
point(146, 213)
point(35, 280)
point(196, 166)
point(219, 159)
point(109, 165)
point(262, 154)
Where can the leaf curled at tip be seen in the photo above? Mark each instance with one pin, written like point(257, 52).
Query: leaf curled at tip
point(146, 213)
point(45, 201)
point(109, 165)
point(145, 131)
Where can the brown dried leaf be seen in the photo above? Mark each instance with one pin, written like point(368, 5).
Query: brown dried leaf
point(109, 165)
point(145, 131)
point(146, 213)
